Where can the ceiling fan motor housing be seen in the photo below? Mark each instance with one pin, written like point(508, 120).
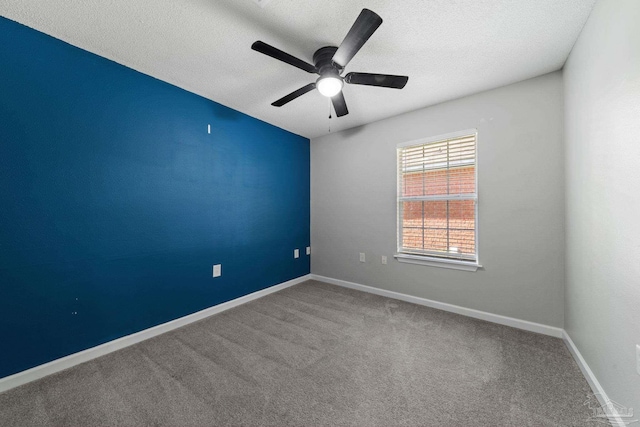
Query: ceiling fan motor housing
point(322, 59)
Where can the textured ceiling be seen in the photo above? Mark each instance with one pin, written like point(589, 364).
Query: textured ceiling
point(448, 48)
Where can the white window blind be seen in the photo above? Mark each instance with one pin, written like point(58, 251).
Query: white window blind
point(437, 198)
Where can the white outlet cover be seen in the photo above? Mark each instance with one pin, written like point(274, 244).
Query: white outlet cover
point(217, 270)
point(296, 253)
point(384, 259)
point(308, 250)
point(362, 257)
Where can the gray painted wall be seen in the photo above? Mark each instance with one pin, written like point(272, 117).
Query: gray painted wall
point(521, 202)
point(602, 108)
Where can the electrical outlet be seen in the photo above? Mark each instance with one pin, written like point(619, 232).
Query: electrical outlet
point(362, 259)
point(217, 270)
point(638, 358)
point(308, 250)
point(384, 259)
point(296, 253)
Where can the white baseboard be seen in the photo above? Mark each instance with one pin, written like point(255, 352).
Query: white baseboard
point(601, 395)
point(477, 314)
point(66, 362)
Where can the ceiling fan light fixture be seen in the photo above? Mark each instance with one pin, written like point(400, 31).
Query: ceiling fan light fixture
point(329, 86)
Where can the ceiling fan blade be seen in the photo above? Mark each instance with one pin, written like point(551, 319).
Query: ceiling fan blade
point(276, 53)
point(293, 95)
point(340, 105)
point(366, 24)
point(382, 80)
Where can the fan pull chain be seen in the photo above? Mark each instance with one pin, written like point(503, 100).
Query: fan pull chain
point(329, 115)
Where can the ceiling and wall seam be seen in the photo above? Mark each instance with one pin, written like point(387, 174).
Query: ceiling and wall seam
point(448, 49)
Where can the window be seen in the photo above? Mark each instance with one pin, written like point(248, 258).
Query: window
point(437, 201)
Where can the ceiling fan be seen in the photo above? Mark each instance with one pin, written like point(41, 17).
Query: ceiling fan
point(330, 62)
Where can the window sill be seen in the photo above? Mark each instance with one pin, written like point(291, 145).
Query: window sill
point(438, 262)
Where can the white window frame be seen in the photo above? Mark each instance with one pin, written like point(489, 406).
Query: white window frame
point(425, 259)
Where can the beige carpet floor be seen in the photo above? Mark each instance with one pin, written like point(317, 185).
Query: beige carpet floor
point(318, 355)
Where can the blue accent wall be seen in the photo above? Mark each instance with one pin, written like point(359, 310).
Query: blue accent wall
point(115, 202)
